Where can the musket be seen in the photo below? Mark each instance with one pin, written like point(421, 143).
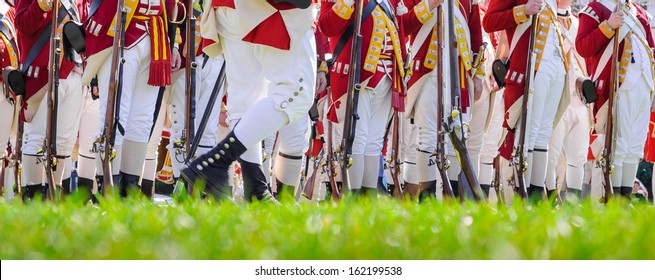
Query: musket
point(18, 154)
point(496, 184)
point(208, 111)
point(190, 76)
point(519, 165)
point(52, 97)
point(442, 158)
point(608, 145)
point(394, 167)
point(352, 96)
point(113, 96)
point(455, 123)
point(308, 183)
point(331, 168)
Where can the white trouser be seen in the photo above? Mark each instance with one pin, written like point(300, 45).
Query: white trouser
point(571, 135)
point(423, 135)
point(205, 80)
point(86, 167)
point(547, 91)
point(632, 118)
point(6, 121)
point(137, 100)
point(68, 114)
point(69, 103)
point(265, 72)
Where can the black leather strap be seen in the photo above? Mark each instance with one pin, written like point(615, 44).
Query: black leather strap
point(345, 37)
point(41, 41)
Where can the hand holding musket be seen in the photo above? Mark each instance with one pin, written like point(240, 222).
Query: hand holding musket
point(113, 98)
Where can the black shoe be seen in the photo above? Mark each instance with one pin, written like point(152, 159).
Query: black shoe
point(284, 191)
point(369, 192)
point(211, 168)
point(148, 188)
point(626, 192)
point(66, 186)
point(616, 190)
point(85, 188)
point(32, 191)
point(428, 190)
point(254, 183)
point(551, 194)
point(536, 193)
point(128, 183)
point(486, 189)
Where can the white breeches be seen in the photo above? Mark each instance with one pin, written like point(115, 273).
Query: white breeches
point(68, 114)
point(86, 167)
point(544, 100)
point(137, 100)
point(632, 119)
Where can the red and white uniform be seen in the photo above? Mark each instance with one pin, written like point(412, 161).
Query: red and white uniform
point(147, 67)
point(32, 18)
point(571, 135)
point(382, 71)
point(422, 98)
point(271, 56)
point(595, 42)
point(546, 89)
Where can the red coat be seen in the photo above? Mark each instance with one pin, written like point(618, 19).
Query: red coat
point(31, 21)
point(98, 25)
point(591, 43)
point(472, 14)
point(333, 26)
point(9, 52)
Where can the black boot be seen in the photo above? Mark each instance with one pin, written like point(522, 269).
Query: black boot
point(536, 193)
point(66, 186)
point(211, 168)
point(284, 191)
point(485, 188)
point(616, 190)
point(369, 192)
point(32, 191)
point(148, 188)
point(254, 183)
point(551, 194)
point(85, 188)
point(129, 183)
point(428, 190)
point(626, 192)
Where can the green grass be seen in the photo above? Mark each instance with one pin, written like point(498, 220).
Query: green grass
point(383, 229)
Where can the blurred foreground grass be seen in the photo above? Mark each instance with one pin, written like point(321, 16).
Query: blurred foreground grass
point(383, 229)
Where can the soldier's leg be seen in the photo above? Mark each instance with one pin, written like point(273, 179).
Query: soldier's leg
point(209, 75)
point(549, 84)
point(576, 149)
point(86, 167)
point(140, 116)
point(33, 145)
point(491, 143)
point(480, 110)
point(635, 131)
point(293, 140)
point(410, 166)
point(6, 122)
point(369, 135)
point(68, 121)
point(426, 123)
point(556, 145)
point(147, 183)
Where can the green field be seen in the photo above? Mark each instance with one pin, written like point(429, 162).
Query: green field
point(382, 229)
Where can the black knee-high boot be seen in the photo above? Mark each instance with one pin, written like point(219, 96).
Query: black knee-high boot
point(212, 167)
point(254, 183)
point(148, 188)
